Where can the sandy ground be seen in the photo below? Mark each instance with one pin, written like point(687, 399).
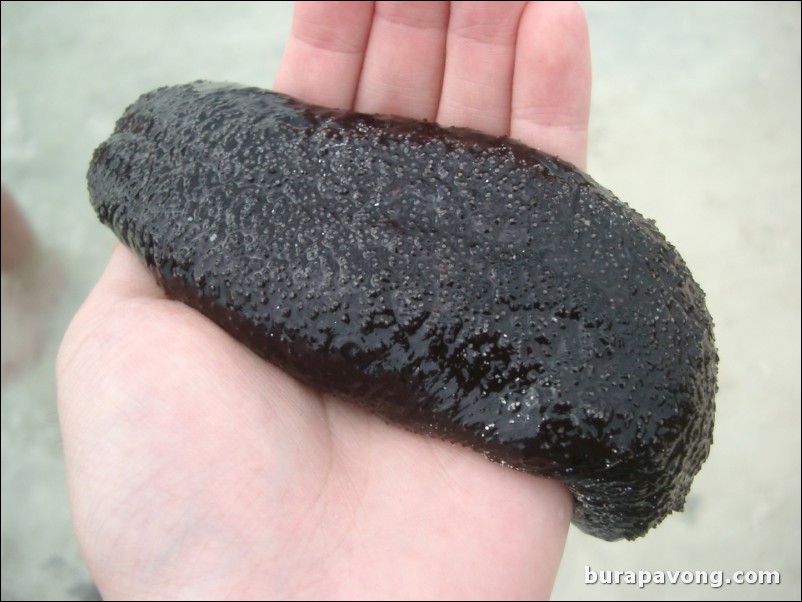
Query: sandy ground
point(695, 123)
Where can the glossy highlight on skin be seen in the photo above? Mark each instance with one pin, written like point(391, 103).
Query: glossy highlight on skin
point(461, 285)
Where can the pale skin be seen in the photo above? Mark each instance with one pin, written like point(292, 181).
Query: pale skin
point(198, 470)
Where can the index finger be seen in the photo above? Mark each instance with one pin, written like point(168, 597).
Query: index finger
point(323, 57)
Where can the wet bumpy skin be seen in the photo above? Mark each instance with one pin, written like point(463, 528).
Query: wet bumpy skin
point(461, 285)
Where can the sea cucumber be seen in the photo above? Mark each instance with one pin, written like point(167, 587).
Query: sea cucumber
point(461, 285)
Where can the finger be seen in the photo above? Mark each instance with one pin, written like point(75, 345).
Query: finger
point(403, 68)
point(551, 83)
point(323, 56)
point(125, 281)
point(129, 322)
point(127, 277)
point(480, 58)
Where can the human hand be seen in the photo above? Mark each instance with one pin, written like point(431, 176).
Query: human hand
point(196, 469)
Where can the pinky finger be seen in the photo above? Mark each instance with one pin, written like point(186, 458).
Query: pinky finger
point(552, 79)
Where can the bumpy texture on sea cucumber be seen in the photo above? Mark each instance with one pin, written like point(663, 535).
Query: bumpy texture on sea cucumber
point(461, 285)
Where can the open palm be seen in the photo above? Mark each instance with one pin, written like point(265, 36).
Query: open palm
point(196, 469)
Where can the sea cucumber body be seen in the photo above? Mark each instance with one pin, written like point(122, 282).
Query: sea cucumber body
point(461, 285)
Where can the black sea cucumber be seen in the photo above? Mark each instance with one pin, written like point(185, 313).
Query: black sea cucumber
point(461, 285)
